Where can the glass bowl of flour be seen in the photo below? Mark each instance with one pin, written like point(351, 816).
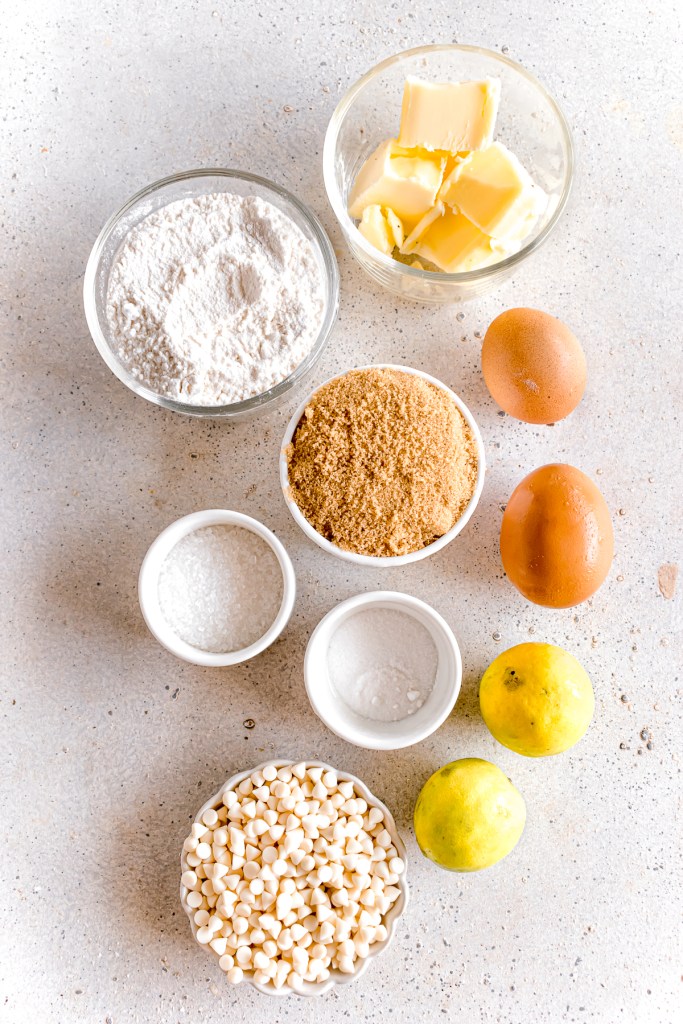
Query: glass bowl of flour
point(212, 293)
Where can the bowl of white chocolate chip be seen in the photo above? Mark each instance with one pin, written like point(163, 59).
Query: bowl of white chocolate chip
point(293, 877)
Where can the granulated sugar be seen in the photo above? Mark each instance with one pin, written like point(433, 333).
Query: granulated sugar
point(382, 663)
point(220, 588)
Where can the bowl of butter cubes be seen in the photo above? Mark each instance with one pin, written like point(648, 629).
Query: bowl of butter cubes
point(293, 877)
point(446, 167)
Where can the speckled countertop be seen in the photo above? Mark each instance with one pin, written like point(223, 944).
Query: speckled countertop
point(109, 744)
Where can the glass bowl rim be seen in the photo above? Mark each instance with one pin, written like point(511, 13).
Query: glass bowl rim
point(350, 228)
point(330, 271)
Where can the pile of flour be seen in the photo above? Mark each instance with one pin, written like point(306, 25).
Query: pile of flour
point(215, 299)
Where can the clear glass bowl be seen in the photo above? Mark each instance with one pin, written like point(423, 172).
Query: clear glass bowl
point(181, 186)
point(529, 122)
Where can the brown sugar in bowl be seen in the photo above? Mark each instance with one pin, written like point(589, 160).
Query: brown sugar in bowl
point(385, 560)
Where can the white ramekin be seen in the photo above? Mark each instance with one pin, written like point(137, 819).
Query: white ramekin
point(365, 732)
point(311, 988)
point(390, 561)
point(148, 590)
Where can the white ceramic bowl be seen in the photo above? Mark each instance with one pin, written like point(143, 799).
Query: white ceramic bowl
point(390, 561)
point(311, 988)
point(366, 732)
point(148, 590)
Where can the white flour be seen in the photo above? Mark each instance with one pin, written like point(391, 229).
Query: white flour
point(215, 299)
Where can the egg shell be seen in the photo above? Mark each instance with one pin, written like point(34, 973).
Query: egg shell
point(533, 366)
point(556, 539)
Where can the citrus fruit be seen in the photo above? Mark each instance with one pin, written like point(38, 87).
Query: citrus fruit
point(536, 699)
point(468, 815)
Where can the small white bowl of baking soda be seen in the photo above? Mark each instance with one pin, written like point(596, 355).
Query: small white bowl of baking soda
point(383, 670)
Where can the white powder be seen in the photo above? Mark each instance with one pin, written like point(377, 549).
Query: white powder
point(382, 663)
point(220, 588)
point(215, 299)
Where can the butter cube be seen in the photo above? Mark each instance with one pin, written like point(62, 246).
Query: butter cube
point(422, 227)
point(452, 161)
point(373, 226)
point(382, 228)
point(395, 227)
point(452, 242)
point(404, 182)
point(451, 116)
point(495, 192)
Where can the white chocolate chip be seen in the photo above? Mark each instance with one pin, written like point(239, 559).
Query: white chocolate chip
point(290, 876)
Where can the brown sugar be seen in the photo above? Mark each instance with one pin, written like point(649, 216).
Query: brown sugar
point(382, 462)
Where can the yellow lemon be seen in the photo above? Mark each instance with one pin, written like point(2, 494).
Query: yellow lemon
point(468, 815)
point(536, 699)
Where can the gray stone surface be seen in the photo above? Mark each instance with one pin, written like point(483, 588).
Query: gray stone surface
point(109, 744)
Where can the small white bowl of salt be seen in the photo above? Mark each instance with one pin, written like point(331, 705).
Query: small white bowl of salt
point(216, 588)
point(383, 670)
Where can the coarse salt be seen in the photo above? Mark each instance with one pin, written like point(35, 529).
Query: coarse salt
point(220, 588)
point(382, 664)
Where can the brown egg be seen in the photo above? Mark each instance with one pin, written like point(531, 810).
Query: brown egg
point(533, 366)
point(556, 540)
